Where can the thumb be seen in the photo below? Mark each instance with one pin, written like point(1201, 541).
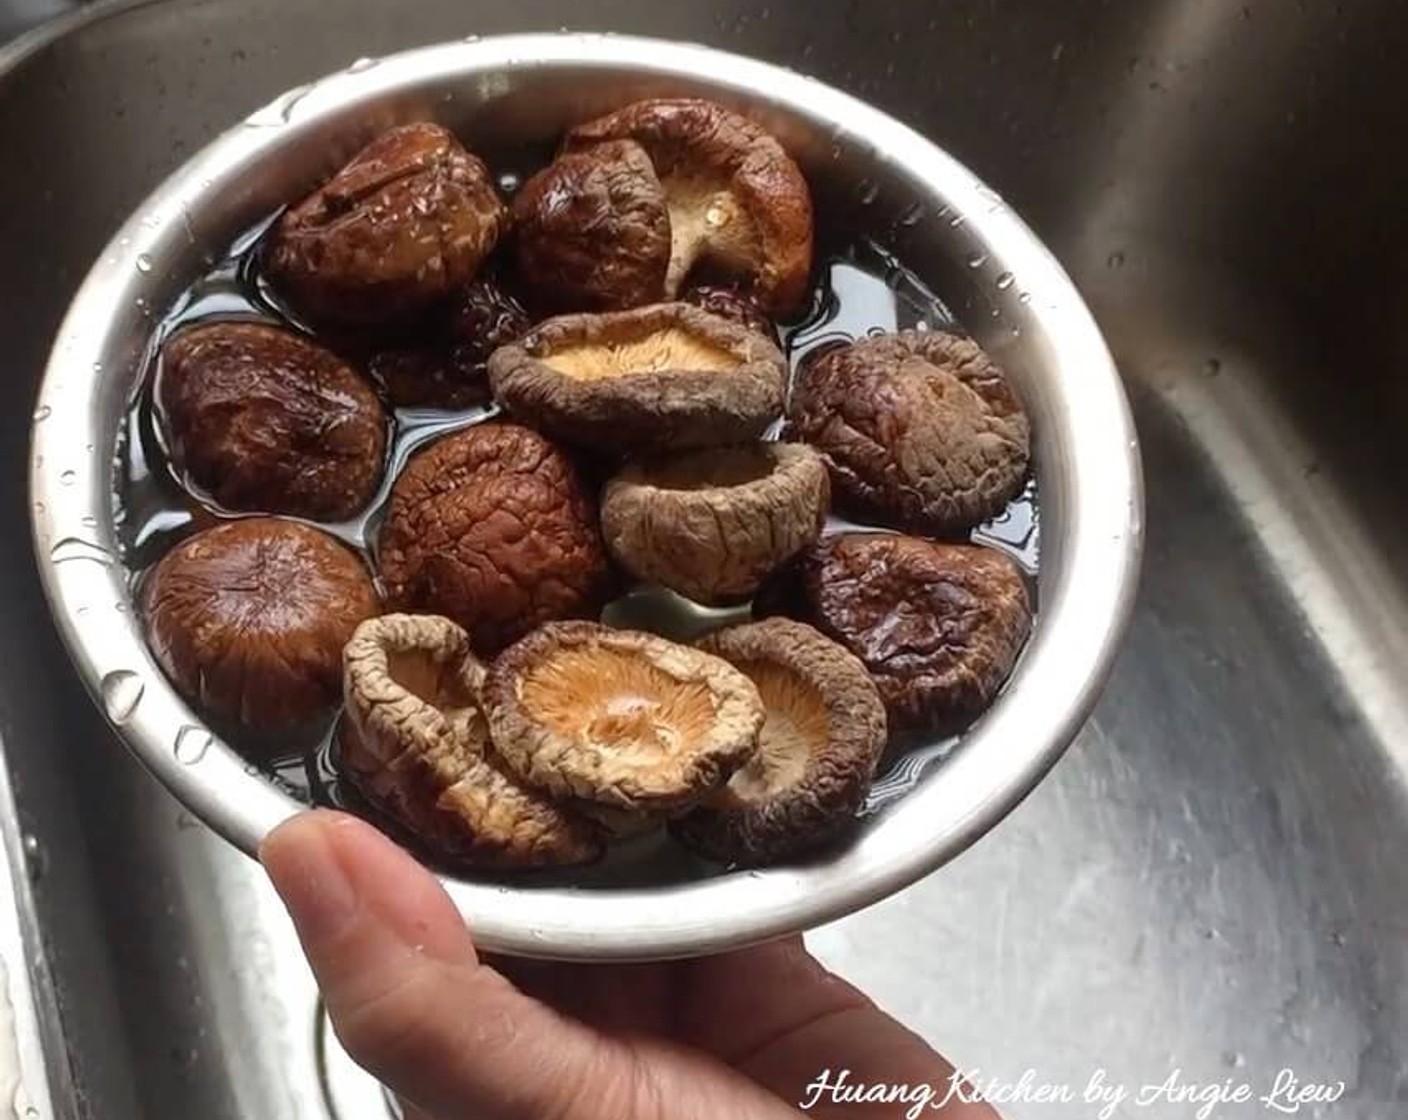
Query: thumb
point(410, 1000)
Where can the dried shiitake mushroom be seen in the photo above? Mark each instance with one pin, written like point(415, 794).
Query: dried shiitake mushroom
point(938, 626)
point(824, 733)
point(451, 370)
point(737, 203)
point(919, 427)
point(407, 222)
point(619, 717)
point(591, 231)
point(249, 618)
point(712, 524)
point(733, 304)
point(415, 742)
point(668, 376)
point(261, 418)
point(494, 528)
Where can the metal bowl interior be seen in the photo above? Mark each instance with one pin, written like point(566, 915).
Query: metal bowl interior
point(870, 175)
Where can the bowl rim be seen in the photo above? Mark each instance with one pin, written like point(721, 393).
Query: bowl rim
point(1053, 689)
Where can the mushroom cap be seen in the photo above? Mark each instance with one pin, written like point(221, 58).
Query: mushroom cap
point(736, 199)
point(619, 717)
point(493, 527)
point(403, 225)
point(591, 231)
point(451, 369)
point(742, 308)
point(816, 758)
point(249, 618)
point(415, 741)
point(919, 427)
point(937, 626)
point(261, 418)
point(712, 524)
point(667, 376)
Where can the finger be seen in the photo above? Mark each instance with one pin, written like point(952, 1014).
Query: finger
point(403, 984)
point(780, 1017)
point(411, 1001)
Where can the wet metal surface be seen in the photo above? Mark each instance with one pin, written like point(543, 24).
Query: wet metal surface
point(1212, 880)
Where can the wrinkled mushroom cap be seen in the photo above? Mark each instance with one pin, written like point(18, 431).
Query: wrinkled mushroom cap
point(620, 717)
point(494, 528)
point(665, 376)
point(591, 231)
point(919, 427)
point(415, 741)
point(712, 524)
point(937, 626)
point(261, 418)
point(737, 201)
point(450, 368)
point(816, 758)
point(406, 222)
point(249, 618)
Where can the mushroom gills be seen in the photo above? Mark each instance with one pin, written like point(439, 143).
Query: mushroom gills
point(620, 703)
point(706, 225)
point(794, 729)
point(663, 351)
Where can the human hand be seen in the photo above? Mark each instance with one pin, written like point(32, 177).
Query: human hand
point(739, 1036)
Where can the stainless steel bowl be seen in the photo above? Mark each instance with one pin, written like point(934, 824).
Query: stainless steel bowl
point(870, 174)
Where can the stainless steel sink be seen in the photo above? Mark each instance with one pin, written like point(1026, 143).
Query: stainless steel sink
point(1214, 880)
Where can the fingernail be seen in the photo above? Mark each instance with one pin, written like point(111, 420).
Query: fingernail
point(303, 865)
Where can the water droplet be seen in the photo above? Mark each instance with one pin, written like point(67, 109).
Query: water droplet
point(1337, 938)
point(1232, 1059)
point(1025, 297)
point(82, 610)
point(361, 64)
point(191, 744)
point(97, 367)
point(1212, 367)
point(75, 548)
point(38, 507)
point(1115, 260)
point(36, 862)
point(68, 478)
point(42, 413)
point(122, 690)
point(977, 260)
point(869, 192)
point(144, 263)
point(120, 608)
point(185, 1055)
point(471, 39)
point(509, 182)
point(912, 215)
point(955, 221)
point(90, 521)
point(1004, 281)
point(996, 313)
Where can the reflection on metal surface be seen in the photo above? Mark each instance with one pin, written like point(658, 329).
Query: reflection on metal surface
point(1212, 880)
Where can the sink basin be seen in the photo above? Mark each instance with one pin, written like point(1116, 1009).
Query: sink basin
point(1212, 882)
